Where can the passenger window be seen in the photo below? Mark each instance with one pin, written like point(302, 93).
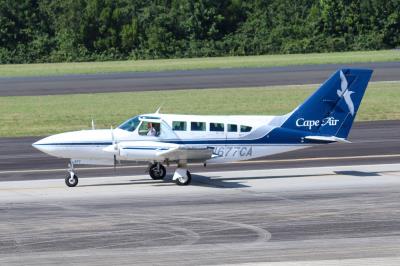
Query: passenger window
point(232, 128)
point(198, 126)
point(245, 129)
point(149, 129)
point(179, 126)
point(217, 127)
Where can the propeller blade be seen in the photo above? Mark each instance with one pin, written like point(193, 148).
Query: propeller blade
point(114, 141)
point(112, 135)
point(115, 163)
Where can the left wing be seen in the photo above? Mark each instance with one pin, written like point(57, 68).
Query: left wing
point(187, 153)
point(159, 151)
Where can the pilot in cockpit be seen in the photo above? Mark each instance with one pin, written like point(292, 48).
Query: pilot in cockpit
point(151, 131)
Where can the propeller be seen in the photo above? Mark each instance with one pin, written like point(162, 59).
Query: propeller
point(93, 126)
point(115, 148)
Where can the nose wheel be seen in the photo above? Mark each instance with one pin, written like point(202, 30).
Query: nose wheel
point(157, 171)
point(71, 180)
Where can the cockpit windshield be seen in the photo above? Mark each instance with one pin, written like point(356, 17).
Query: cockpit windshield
point(131, 124)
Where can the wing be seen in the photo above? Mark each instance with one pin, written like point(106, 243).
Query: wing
point(187, 153)
point(155, 150)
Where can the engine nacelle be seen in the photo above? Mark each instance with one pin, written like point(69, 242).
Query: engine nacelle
point(143, 150)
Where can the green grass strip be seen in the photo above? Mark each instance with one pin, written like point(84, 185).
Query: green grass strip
point(197, 63)
point(45, 115)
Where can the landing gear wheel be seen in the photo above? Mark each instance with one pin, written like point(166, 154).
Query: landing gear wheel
point(184, 180)
point(71, 181)
point(157, 171)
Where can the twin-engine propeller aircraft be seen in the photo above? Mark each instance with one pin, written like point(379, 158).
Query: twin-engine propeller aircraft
point(325, 117)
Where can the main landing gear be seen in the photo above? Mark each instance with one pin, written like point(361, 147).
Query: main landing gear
point(71, 179)
point(182, 176)
point(157, 171)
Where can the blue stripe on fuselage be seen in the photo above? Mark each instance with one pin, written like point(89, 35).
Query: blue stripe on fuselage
point(275, 136)
point(145, 148)
point(78, 143)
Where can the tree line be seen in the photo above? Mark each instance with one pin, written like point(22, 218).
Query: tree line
point(89, 30)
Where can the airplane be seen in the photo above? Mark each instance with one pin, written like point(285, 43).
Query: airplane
point(161, 139)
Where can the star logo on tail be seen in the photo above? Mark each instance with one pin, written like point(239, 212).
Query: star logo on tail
point(345, 93)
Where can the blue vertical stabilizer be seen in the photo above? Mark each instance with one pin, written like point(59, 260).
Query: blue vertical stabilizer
point(330, 111)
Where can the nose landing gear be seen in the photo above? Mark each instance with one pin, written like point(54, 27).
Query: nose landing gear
point(71, 180)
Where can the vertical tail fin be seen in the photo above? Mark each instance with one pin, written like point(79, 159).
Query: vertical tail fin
point(330, 111)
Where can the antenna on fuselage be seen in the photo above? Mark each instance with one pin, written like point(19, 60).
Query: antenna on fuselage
point(159, 108)
point(93, 126)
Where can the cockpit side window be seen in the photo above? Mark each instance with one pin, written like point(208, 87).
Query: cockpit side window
point(131, 124)
point(149, 129)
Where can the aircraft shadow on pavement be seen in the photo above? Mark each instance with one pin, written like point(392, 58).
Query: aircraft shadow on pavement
point(207, 181)
point(131, 182)
point(349, 173)
point(197, 180)
point(357, 173)
point(230, 182)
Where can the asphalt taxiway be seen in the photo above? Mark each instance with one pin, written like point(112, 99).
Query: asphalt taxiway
point(322, 216)
point(191, 79)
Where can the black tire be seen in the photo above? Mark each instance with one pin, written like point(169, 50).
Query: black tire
point(157, 174)
point(71, 182)
point(184, 181)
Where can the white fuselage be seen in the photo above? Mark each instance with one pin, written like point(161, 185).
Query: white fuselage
point(232, 138)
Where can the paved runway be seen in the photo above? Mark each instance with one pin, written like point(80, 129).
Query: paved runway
point(297, 215)
point(373, 142)
point(192, 79)
point(347, 212)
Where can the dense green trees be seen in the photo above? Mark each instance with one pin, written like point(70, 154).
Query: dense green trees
point(77, 30)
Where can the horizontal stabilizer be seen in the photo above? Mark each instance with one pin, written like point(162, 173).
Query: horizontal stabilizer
point(326, 139)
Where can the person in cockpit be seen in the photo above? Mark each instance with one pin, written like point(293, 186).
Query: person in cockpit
point(151, 131)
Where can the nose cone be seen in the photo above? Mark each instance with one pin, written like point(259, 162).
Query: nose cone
point(75, 144)
point(43, 145)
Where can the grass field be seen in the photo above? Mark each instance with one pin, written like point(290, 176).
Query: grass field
point(197, 63)
point(44, 115)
